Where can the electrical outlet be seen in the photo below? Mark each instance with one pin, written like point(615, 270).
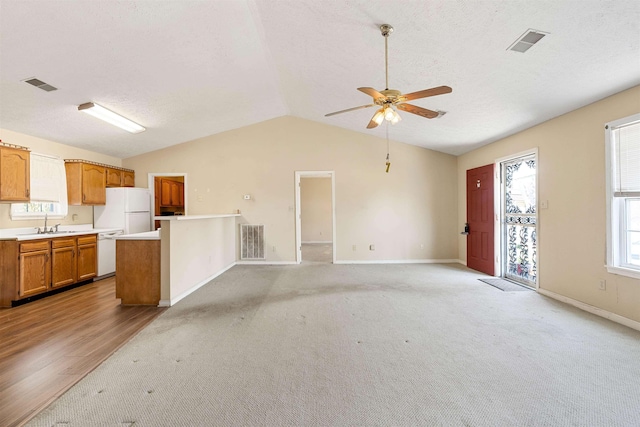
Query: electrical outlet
point(602, 285)
point(421, 246)
point(353, 247)
point(372, 247)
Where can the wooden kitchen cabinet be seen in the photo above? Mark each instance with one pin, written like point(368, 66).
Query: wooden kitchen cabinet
point(119, 177)
point(171, 193)
point(86, 183)
point(34, 269)
point(14, 173)
point(128, 178)
point(87, 257)
point(113, 177)
point(63, 261)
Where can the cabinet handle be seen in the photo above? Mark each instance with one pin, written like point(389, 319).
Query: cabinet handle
point(28, 193)
point(73, 253)
point(84, 197)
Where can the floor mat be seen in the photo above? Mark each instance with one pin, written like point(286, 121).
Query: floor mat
point(505, 285)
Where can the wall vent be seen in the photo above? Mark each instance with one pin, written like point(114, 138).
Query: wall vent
point(251, 242)
point(525, 41)
point(40, 84)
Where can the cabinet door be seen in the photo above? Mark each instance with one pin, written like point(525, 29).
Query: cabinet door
point(165, 192)
point(113, 177)
point(87, 261)
point(14, 174)
point(181, 194)
point(35, 272)
point(128, 179)
point(93, 185)
point(63, 261)
point(175, 193)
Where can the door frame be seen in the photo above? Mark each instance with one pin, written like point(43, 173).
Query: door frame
point(500, 243)
point(298, 220)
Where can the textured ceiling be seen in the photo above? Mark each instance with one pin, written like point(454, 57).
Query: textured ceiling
point(188, 69)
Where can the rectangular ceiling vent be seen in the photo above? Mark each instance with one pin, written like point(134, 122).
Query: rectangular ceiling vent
point(528, 39)
point(40, 84)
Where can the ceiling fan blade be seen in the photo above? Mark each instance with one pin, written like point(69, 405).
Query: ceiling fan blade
point(349, 109)
point(372, 93)
point(440, 90)
point(423, 112)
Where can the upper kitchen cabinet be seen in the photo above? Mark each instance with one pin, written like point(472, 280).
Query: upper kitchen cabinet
point(86, 183)
point(113, 177)
point(128, 178)
point(171, 193)
point(119, 177)
point(14, 173)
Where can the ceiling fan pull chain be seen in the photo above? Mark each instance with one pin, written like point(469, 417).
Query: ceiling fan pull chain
point(388, 164)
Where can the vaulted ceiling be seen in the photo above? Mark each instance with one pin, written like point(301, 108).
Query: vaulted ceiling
point(188, 69)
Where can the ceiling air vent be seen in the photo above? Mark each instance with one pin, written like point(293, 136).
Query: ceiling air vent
point(528, 39)
point(40, 84)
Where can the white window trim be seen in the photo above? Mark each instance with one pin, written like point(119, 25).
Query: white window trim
point(20, 216)
point(614, 214)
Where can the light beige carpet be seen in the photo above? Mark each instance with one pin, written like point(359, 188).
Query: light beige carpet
point(334, 345)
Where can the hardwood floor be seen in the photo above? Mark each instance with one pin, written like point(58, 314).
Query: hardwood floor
point(47, 345)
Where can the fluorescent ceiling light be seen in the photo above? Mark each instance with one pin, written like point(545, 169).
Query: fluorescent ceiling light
point(108, 116)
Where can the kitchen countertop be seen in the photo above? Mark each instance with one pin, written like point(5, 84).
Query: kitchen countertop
point(148, 235)
point(30, 233)
point(190, 217)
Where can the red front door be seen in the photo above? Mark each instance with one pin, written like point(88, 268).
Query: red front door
point(480, 218)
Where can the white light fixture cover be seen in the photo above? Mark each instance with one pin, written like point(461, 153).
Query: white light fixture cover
point(108, 116)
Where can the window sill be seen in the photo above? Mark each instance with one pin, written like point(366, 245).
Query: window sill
point(622, 271)
point(35, 217)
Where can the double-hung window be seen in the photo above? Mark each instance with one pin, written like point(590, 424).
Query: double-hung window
point(48, 190)
point(623, 196)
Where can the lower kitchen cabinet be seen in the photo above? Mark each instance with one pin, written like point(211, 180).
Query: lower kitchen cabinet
point(35, 268)
point(29, 268)
point(63, 262)
point(87, 257)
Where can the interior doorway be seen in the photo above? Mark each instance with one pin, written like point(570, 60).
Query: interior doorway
point(315, 216)
point(519, 219)
point(168, 195)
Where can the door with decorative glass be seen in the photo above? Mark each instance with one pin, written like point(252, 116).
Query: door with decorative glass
point(519, 218)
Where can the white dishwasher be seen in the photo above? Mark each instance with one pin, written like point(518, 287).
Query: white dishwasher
point(107, 253)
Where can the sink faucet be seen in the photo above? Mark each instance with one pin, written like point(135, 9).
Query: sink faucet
point(45, 222)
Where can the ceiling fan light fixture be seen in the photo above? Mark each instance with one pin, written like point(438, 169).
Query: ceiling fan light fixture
point(110, 117)
point(378, 117)
point(396, 118)
point(389, 113)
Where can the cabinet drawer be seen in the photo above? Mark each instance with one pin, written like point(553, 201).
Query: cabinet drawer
point(85, 240)
point(63, 242)
point(39, 245)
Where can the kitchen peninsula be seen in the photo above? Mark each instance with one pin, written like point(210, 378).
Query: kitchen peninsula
point(193, 249)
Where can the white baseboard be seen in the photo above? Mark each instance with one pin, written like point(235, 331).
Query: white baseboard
point(317, 242)
point(399, 261)
point(173, 301)
point(592, 309)
point(266, 263)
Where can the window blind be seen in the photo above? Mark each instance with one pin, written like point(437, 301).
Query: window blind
point(48, 179)
point(627, 161)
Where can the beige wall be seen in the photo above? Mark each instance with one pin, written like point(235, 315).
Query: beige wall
point(413, 205)
point(84, 214)
point(315, 207)
point(571, 177)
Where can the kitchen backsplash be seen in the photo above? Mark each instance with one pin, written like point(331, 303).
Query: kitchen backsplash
point(76, 215)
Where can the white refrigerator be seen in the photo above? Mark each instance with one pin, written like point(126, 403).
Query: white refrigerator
point(127, 208)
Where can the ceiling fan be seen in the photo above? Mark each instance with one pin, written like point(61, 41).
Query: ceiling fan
point(389, 98)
